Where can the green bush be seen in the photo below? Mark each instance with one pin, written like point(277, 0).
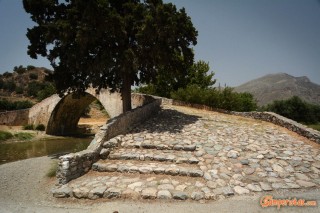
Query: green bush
point(5, 135)
point(33, 76)
point(295, 109)
point(6, 105)
point(28, 127)
point(20, 69)
point(223, 99)
point(30, 67)
point(40, 127)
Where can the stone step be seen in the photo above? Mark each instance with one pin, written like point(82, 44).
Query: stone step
point(132, 186)
point(142, 167)
point(154, 155)
point(159, 146)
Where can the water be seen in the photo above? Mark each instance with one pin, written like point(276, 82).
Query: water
point(51, 147)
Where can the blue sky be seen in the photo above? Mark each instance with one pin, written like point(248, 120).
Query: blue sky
point(241, 39)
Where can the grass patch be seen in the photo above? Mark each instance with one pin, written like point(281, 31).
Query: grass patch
point(23, 136)
point(28, 127)
point(315, 126)
point(5, 135)
point(53, 169)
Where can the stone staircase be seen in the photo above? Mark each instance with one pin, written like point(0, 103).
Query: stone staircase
point(143, 170)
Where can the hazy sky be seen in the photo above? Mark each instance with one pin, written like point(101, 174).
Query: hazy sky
point(241, 39)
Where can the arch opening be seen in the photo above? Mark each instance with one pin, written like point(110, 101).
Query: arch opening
point(65, 117)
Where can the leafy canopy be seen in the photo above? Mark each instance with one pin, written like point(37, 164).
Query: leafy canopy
point(110, 43)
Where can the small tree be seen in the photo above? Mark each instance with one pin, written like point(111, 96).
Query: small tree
point(110, 43)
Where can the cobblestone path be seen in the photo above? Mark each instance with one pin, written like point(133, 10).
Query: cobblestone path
point(185, 153)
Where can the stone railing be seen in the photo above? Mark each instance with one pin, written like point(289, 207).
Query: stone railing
point(271, 117)
point(75, 165)
point(15, 117)
point(279, 120)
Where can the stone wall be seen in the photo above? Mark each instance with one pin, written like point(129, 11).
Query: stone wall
point(271, 117)
point(14, 118)
point(75, 165)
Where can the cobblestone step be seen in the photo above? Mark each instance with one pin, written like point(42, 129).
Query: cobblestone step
point(154, 155)
point(159, 168)
point(133, 186)
point(159, 146)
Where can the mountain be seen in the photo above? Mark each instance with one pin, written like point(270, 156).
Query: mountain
point(281, 86)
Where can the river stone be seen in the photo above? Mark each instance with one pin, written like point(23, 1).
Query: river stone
point(164, 194)
point(81, 192)
point(305, 184)
point(149, 193)
point(265, 186)
point(241, 190)
point(232, 154)
point(195, 173)
point(112, 192)
point(254, 187)
point(97, 192)
point(179, 195)
point(302, 176)
point(104, 153)
point(129, 193)
point(244, 161)
point(62, 192)
point(197, 195)
point(277, 168)
point(249, 171)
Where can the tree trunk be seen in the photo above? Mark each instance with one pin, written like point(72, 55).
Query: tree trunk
point(126, 94)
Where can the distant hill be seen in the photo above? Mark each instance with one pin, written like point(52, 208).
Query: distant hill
point(281, 86)
point(24, 82)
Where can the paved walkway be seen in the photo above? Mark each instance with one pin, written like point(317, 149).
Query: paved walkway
point(185, 153)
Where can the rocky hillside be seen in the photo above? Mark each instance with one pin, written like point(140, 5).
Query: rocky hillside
point(23, 81)
point(281, 86)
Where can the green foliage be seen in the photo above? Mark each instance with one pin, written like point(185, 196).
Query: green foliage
point(197, 75)
point(28, 127)
point(47, 90)
point(20, 69)
point(53, 169)
point(19, 90)
point(7, 74)
point(9, 85)
point(40, 127)
point(222, 99)
point(33, 76)
point(109, 43)
point(315, 126)
point(30, 67)
point(23, 136)
point(4, 135)
point(14, 105)
point(295, 109)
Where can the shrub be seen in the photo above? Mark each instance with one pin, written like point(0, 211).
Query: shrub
point(15, 105)
point(20, 69)
point(5, 135)
point(28, 127)
point(40, 127)
point(33, 76)
point(19, 90)
point(30, 67)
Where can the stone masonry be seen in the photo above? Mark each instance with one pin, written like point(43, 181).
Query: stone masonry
point(184, 153)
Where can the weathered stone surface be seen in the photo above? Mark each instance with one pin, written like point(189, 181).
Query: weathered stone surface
point(149, 193)
point(306, 184)
point(61, 192)
point(232, 154)
point(254, 187)
point(112, 192)
point(197, 195)
point(179, 195)
point(97, 192)
point(241, 190)
point(164, 194)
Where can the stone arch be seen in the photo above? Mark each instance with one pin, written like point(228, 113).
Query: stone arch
point(65, 116)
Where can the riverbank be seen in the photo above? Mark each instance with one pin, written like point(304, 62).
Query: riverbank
point(24, 187)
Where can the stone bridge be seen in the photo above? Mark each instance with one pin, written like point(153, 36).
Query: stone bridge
point(61, 115)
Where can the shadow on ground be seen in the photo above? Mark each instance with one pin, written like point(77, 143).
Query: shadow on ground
point(166, 121)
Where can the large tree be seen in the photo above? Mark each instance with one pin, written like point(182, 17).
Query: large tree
point(110, 43)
